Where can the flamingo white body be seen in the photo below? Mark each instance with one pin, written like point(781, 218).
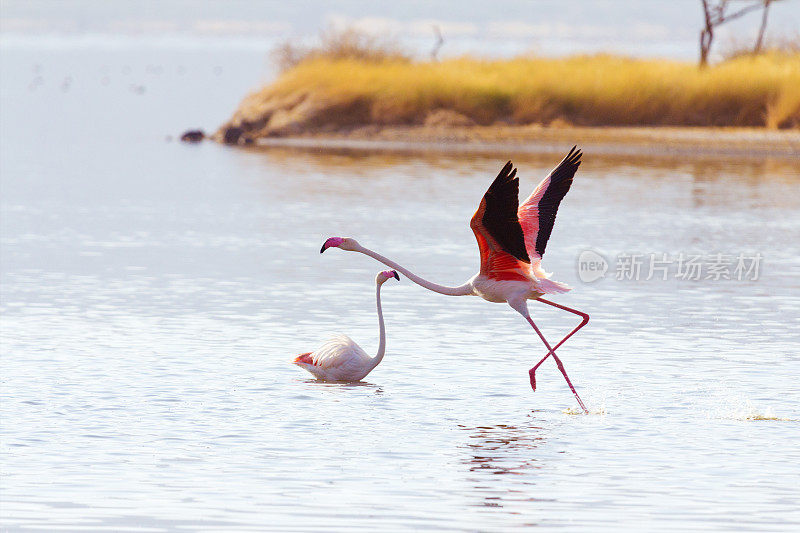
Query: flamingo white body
point(506, 291)
point(511, 239)
point(340, 358)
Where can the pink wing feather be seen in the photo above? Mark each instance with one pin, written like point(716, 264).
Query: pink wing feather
point(537, 214)
point(528, 214)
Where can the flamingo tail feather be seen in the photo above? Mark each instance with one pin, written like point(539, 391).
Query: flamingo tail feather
point(304, 358)
point(548, 286)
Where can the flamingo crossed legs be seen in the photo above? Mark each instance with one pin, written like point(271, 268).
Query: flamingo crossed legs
point(584, 321)
point(521, 306)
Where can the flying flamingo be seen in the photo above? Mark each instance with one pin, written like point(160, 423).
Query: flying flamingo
point(511, 239)
point(340, 358)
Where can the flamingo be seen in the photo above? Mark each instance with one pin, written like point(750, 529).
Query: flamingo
point(512, 240)
point(340, 358)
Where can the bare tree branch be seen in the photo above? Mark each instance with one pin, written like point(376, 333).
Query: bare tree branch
point(763, 28)
point(717, 14)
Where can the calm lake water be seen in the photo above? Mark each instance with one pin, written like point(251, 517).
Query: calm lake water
point(155, 293)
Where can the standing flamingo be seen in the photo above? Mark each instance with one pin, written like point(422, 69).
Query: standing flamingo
point(340, 358)
point(511, 239)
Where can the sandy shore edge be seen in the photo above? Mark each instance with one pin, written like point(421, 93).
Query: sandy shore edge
point(674, 142)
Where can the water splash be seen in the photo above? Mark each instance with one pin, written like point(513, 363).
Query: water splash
point(596, 399)
point(575, 411)
point(744, 409)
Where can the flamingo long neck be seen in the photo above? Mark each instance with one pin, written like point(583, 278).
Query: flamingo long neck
point(382, 345)
point(461, 290)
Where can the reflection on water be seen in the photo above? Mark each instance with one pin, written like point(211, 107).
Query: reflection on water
point(503, 449)
point(154, 295)
point(359, 161)
point(757, 176)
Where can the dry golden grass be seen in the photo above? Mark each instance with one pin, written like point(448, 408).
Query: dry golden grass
point(346, 43)
point(602, 90)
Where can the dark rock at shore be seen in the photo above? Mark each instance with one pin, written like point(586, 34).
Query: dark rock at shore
point(232, 135)
point(193, 136)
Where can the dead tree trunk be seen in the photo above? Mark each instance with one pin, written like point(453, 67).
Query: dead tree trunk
point(760, 40)
point(706, 36)
point(438, 45)
point(716, 15)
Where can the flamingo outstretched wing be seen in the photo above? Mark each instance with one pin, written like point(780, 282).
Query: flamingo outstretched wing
point(498, 231)
point(537, 214)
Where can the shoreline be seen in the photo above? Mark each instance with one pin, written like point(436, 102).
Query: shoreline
point(625, 141)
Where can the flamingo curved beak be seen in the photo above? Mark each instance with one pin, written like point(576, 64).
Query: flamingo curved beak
point(396, 275)
point(331, 243)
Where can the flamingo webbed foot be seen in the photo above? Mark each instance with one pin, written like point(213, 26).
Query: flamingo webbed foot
point(532, 374)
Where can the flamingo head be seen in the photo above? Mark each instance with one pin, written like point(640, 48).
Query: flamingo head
point(344, 243)
point(381, 278)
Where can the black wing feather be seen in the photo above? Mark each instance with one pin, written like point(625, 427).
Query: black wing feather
point(560, 182)
point(500, 216)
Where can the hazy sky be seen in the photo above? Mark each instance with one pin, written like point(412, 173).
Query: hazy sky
point(499, 27)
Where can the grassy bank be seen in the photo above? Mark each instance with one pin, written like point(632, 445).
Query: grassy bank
point(324, 94)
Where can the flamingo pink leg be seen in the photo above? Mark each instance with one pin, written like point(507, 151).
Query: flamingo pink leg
point(584, 321)
point(559, 364)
